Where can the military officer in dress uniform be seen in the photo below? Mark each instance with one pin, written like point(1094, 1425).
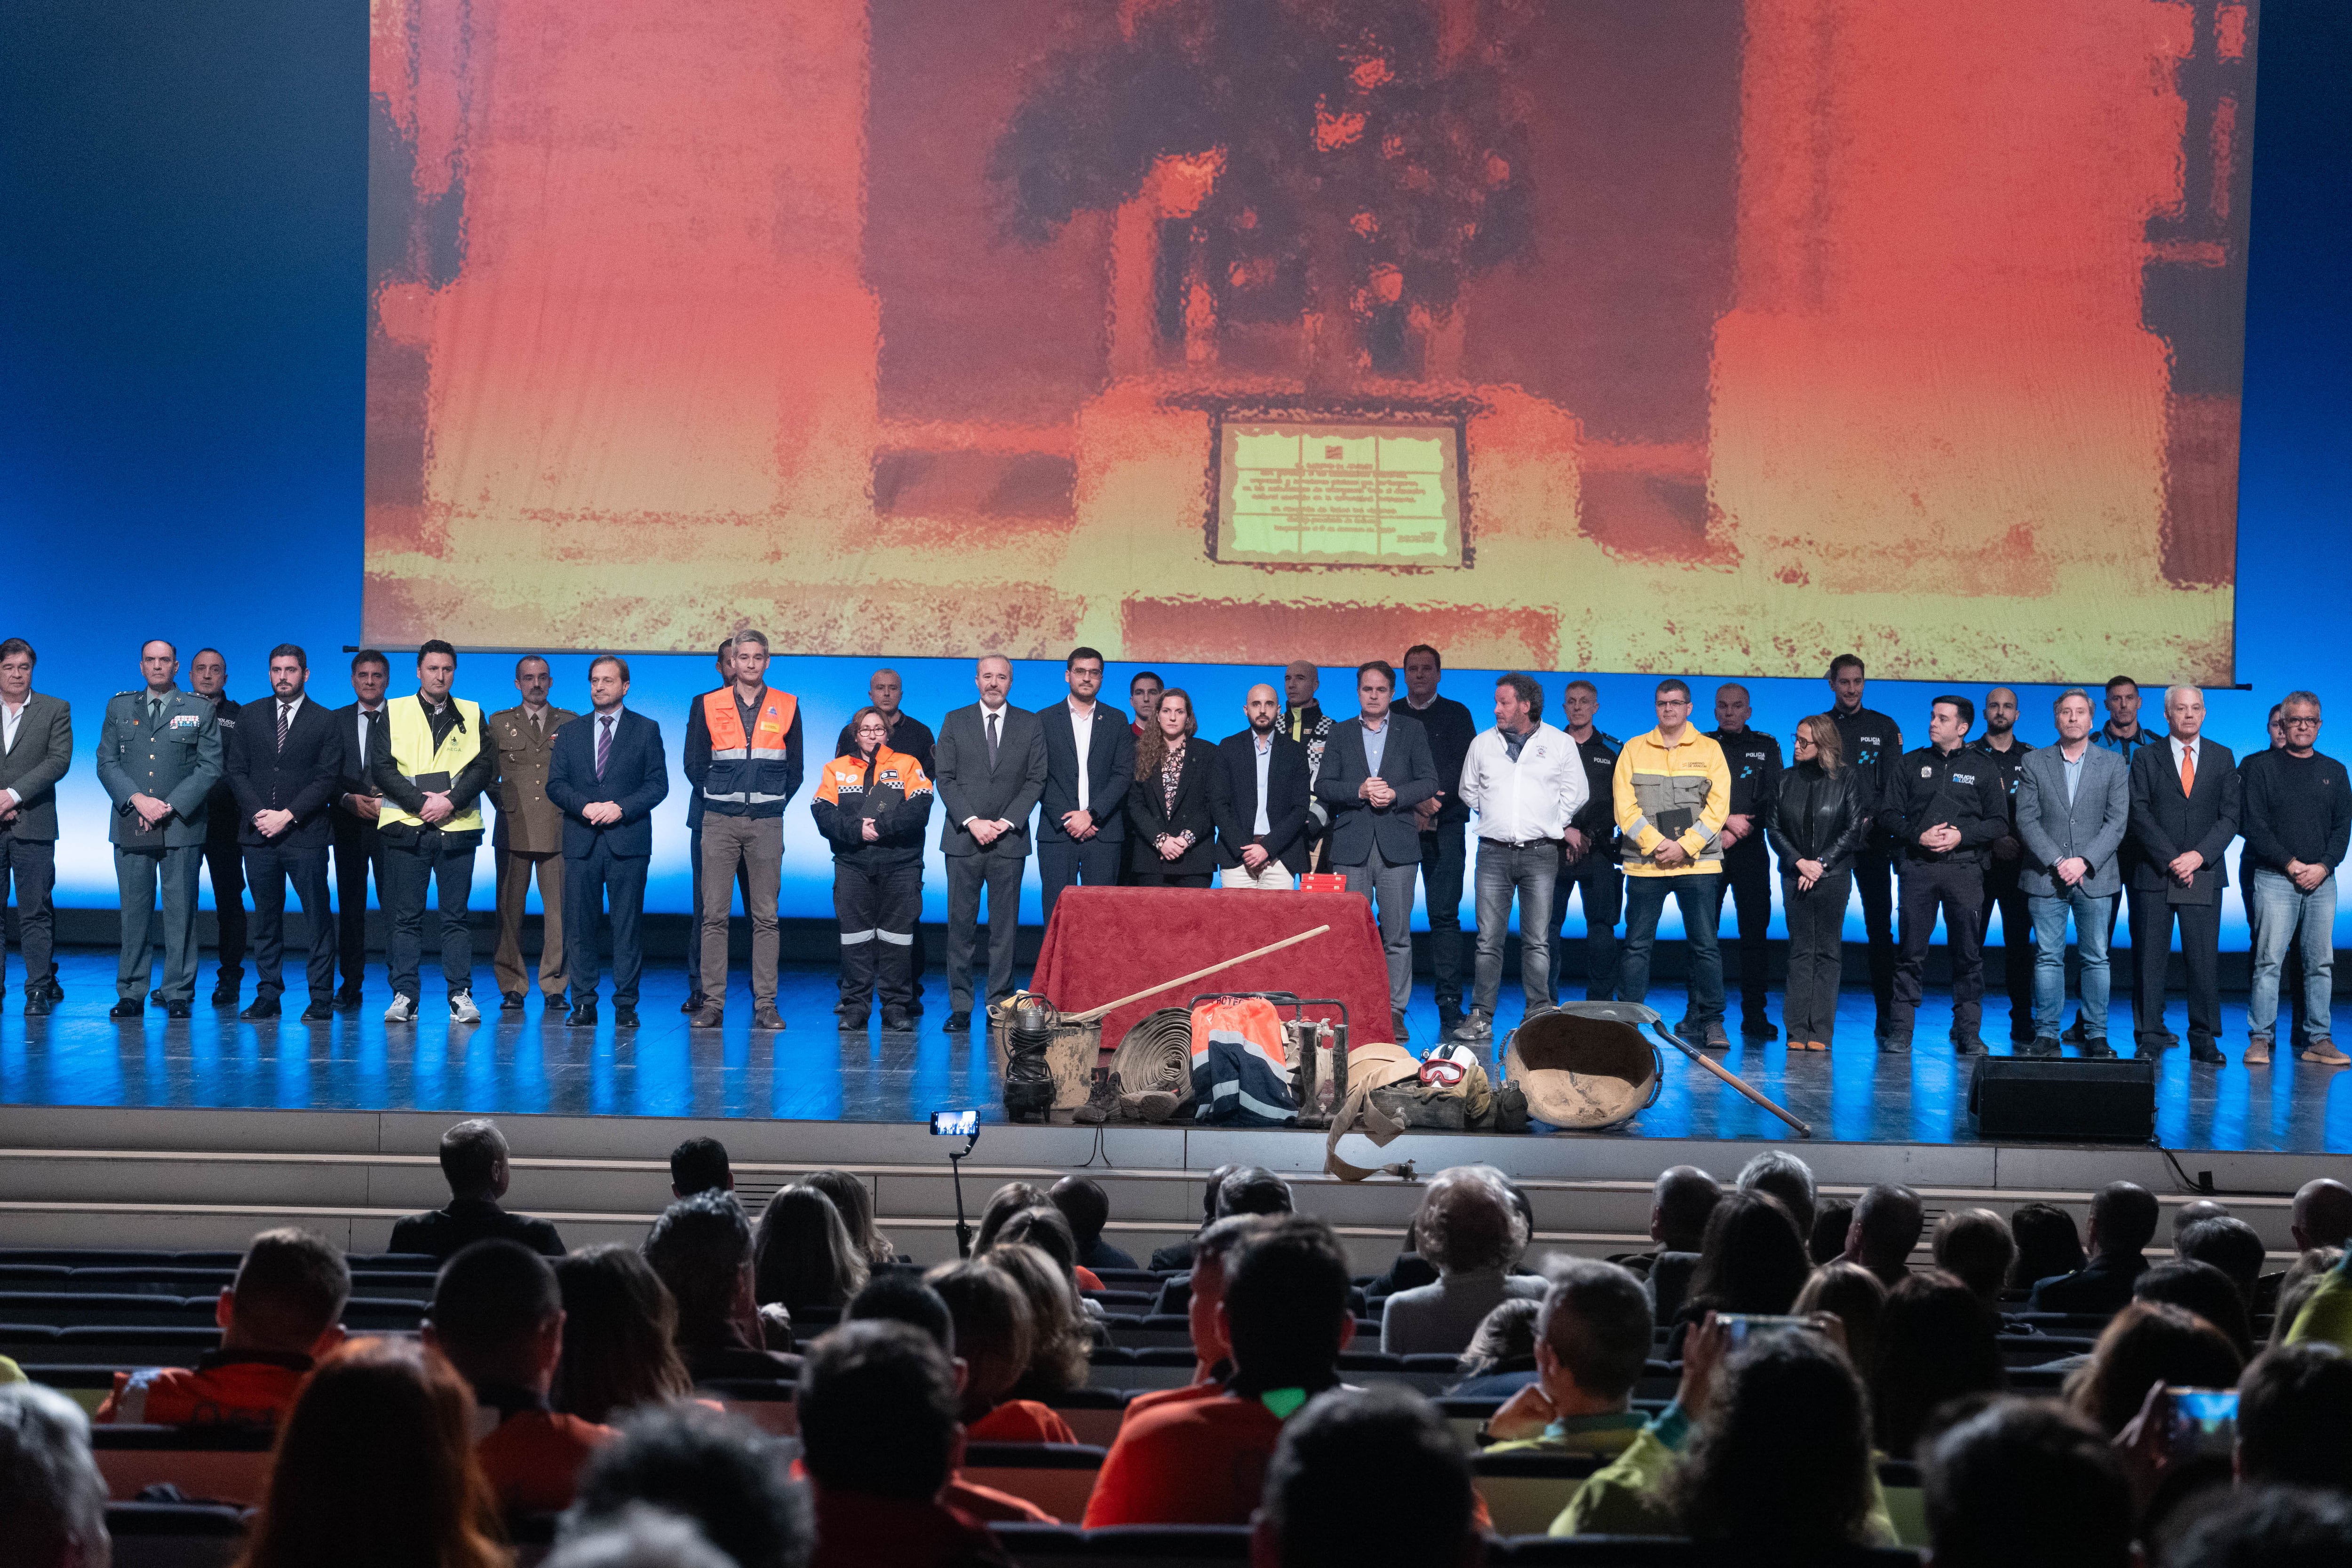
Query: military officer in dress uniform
point(529, 836)
point(159, 755)
point(223, 858)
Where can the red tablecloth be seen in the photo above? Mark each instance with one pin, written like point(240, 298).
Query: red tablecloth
point(1104, 943)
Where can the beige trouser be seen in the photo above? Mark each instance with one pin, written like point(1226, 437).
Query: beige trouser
point(514, 873)
point(1274, 877)
point(759, 842)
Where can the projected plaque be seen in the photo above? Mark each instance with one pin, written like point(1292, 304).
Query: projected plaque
point(1329, 492)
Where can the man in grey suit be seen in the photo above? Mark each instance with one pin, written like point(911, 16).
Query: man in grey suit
point(159, 755)
point(1376, 769)
point(2074, 804)
point(36, 750)
point(992, 758)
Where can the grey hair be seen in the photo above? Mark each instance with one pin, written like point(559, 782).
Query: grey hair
point(2070, 691)
point(1759, 1174)
point(1457, 1231)
point(2196, 691)
point(51, 1495)
point(639, 1537)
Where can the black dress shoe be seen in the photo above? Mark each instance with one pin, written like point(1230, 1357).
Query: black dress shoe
point(2098, 1050)
point(38, 1005)
point(126, 1008)
point(347, 999)
point(224, 993)
point(318, 1012)
point(2040, 1046)
point(897, 1019)
point(2209, 1053)
point(511, 1001)
point(625, 1017)
point(178, 1010)
point(1967, 1046)
point(262, 1007)
point(582, 1017)
point(958, 1023)
point(693, 1004)
point(1759, 1027)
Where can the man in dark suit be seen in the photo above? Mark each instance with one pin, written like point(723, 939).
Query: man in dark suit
point(606, 776)
point(1089, 763)
point(2184, 801)
point(992, 758)
point(36, 750)
point(474, 1160)
point(283, 765)
point(223, 860)
point(359, 852)
point(2123, 1222)
point(1258, 794)
point(1375, 769)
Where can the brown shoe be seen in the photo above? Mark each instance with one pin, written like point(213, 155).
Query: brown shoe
point(709, 1018)
point(2258, 1050)
point(766, 1018)
point(2321, 1052)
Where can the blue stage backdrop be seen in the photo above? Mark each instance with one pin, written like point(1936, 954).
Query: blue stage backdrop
point(182, 317)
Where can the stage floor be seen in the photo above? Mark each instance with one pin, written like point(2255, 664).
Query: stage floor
point(529, 1062)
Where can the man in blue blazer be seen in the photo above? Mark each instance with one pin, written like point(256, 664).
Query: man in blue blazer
point(1082, 831)
point(1376, 769)
point(606, 776)
point(2074, 806)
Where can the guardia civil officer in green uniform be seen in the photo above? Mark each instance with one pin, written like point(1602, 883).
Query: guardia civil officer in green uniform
point(159, 755)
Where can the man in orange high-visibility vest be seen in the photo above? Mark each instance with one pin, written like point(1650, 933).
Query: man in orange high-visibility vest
point(743, 761)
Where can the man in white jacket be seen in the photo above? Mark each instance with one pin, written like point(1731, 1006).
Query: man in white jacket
point(1525, 780)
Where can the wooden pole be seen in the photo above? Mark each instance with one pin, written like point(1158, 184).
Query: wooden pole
point(1107, 1008)
point(1727, 1076)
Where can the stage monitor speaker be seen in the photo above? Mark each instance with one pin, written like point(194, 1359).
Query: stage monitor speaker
point(2065, 1098)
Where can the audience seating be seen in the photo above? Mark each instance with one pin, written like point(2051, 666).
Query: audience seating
point(1057, 1476)
point(174, 1534)
point(220, 1464)
point(1215, 1546)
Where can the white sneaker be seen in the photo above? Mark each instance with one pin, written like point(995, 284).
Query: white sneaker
point(401, 1011)
point(462, 1009)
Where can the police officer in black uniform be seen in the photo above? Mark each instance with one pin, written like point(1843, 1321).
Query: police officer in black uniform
point(1753, 759)
point(2003, 748)
point(1943, 812)
point(223, 858)
point(1591, 870)
point(1873, 750)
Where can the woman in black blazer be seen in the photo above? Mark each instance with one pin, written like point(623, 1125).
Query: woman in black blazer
point(1816, 826)
point(1173, 841)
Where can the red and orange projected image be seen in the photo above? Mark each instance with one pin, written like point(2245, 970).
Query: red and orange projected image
point(1691, 336)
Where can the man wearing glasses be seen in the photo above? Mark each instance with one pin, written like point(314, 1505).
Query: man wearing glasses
point(2299, 816)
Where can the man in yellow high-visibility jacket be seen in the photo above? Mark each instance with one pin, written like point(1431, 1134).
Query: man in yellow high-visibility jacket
point(429, 762)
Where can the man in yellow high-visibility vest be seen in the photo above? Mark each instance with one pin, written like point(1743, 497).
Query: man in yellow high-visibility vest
point(429, 764)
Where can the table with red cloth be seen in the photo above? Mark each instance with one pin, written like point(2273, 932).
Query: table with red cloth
point(1104, 943)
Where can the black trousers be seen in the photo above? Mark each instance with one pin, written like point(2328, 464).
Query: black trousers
point(1065, 863)
point(995, 870)
point(429, 859)
point(1959, 890)
point(877, 907)
point(1599, 882)
point(2201, 951)
point(1747, 878)
point(359, 850)
point(268, 868)
point(1816, 956)
point(693, 937)
point(2001, 891)
point(1143, 878)
point(592, 884)
point(225, 862)
point(1442, 849)
point(30, 866)
point(1873, 874)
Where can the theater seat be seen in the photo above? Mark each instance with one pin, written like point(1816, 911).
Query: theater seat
point(1094, 1413)
point(765, 1403)
point(228, 1464)
point(1057, 1477)
point(1127, 1545)
point(1526, 1491)
point(174, 1534)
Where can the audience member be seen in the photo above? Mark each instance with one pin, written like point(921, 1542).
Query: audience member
point(2025, 1484)
point(620, 1333)
point(2196, 1209)
point(2205, 1290)
point(1975, 1246)
point(283, 1311)
point(474, 1162)
point(1178, 1256)
point(1003, 1204)
point(1501, 1355)
point(640, 1538)
point(1855, 1298)
point(1313, 1514)
point(701, 1248)
point(2294, 1418)
point(1043, 1227)
point(854, 1204)
point(2047, 1244)
point(1680, 1201)
point(1886, 1227)
point(1212, 1252)
point(692, 1461)
point(802, 1255)
point(2267, 1527)
point(2123, 1222)
point(1061, 1337)
point(1084, 1203)
point(996, 1335)
point(2231, 1246)
point(2149, 1343)
point(700, 1166)
point(498, 1314)
point(2321, 1214)
point(52, 1497)
point(1787, 1178)
point(1253, 1189)
point(1750, 1260)
point(375, 1467)
point(899, 1296)
point(2297, 1285)
point(1471, 1233)
point(1201, 1461)
point(1935, 1344)
point(880, 1441)
point(1592, 1342)
point(1825, 1243)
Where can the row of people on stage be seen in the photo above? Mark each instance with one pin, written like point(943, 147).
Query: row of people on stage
point(284, 791)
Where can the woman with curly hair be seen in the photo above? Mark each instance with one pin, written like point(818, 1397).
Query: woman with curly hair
point(1173, 838)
